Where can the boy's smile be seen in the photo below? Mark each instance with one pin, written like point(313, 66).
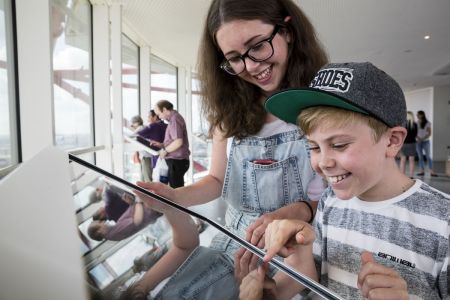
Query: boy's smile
point(350, 160)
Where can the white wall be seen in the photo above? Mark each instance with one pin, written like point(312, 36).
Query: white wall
point(421, 100)
point(34, 55)
point(441, 124)
point(435, 102)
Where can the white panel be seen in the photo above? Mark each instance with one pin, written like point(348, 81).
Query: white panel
point(441, 123)
point(35, 75)
point(116, 62)
point(144, 84)
point(40, 248)
point(102, 97)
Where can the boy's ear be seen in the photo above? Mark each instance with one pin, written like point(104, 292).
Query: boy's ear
point(396, 136)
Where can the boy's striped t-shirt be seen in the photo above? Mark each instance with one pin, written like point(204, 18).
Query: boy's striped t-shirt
point(409, 233)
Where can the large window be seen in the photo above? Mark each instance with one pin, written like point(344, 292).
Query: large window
point(130, 78)
point(8, 129)
point(163, 81)
point(201, 144)
point(72, 75)
point(130, 100)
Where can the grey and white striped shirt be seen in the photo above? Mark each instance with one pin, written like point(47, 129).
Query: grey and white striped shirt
point(409, 233)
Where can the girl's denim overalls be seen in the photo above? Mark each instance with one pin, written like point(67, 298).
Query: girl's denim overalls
point(250, 190)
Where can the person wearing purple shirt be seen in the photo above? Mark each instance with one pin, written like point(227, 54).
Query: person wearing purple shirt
point(136, 217)
point(175, 148)
point(153, 132)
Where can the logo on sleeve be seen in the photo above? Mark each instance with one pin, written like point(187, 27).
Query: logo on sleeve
point(333, 80)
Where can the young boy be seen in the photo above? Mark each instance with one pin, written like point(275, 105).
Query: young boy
point(377, 234)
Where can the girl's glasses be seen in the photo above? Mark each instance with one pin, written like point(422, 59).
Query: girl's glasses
point(258, 53)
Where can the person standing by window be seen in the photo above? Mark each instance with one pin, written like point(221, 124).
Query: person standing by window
point(175, 148)
point(409, 146)
point(154, 131)
point(423, 143)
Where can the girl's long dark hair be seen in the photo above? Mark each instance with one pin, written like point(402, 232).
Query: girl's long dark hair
point(231, 104)
point(422, 121)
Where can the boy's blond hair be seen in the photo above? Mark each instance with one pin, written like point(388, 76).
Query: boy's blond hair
point(332, 117)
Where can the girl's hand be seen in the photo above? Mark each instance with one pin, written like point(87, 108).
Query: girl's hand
point(244, 262)
point(284, 236)
point(255, 233)
point(158, 188)
point(379, 282)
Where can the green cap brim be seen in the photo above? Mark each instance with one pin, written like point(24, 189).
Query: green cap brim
point(287, 104)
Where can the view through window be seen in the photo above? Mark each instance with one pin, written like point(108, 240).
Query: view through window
point(8, 131)
point(72, 73)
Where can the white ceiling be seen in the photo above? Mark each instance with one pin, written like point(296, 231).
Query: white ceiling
point(389, 33)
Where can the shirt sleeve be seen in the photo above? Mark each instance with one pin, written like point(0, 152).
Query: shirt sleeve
point(124, 227)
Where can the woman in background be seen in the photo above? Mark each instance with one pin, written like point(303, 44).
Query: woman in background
point(409, 146)
point(423, 143)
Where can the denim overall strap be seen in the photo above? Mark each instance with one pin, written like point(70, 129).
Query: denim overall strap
point(252, 189)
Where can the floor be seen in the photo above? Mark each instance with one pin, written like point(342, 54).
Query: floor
point(442, 182)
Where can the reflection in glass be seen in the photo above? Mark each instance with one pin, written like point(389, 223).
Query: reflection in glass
point(72, 73)
point(117, 268)
point(101, 276)
point(163, 81)
point(8, 132)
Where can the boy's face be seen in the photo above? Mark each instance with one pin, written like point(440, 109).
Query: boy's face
point(349, 159)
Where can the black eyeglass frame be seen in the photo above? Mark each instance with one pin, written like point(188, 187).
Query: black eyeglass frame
point(247, 53)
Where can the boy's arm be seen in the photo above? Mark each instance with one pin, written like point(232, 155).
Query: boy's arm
point(379, 282)
point(292, 239)
point(288, 287)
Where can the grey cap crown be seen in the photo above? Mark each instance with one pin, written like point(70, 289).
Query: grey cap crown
point(366, 87)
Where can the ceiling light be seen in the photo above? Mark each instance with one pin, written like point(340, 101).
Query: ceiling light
point(427, 37)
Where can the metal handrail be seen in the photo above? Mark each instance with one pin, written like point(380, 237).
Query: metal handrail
point(80, 151)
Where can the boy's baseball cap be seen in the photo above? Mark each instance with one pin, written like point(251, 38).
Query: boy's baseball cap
point(360, 87)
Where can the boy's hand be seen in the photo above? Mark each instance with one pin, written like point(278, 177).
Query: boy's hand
point(283, 237)
point(379, 282)
point(256, 285)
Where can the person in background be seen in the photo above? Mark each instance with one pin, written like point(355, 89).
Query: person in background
point(155, 132)
point(409, 146)
point(136, 217)
point(116, 202)
point(175, 147)
point(377, 234)
point(136, 123)
point(423, 143)
point(260, 164)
